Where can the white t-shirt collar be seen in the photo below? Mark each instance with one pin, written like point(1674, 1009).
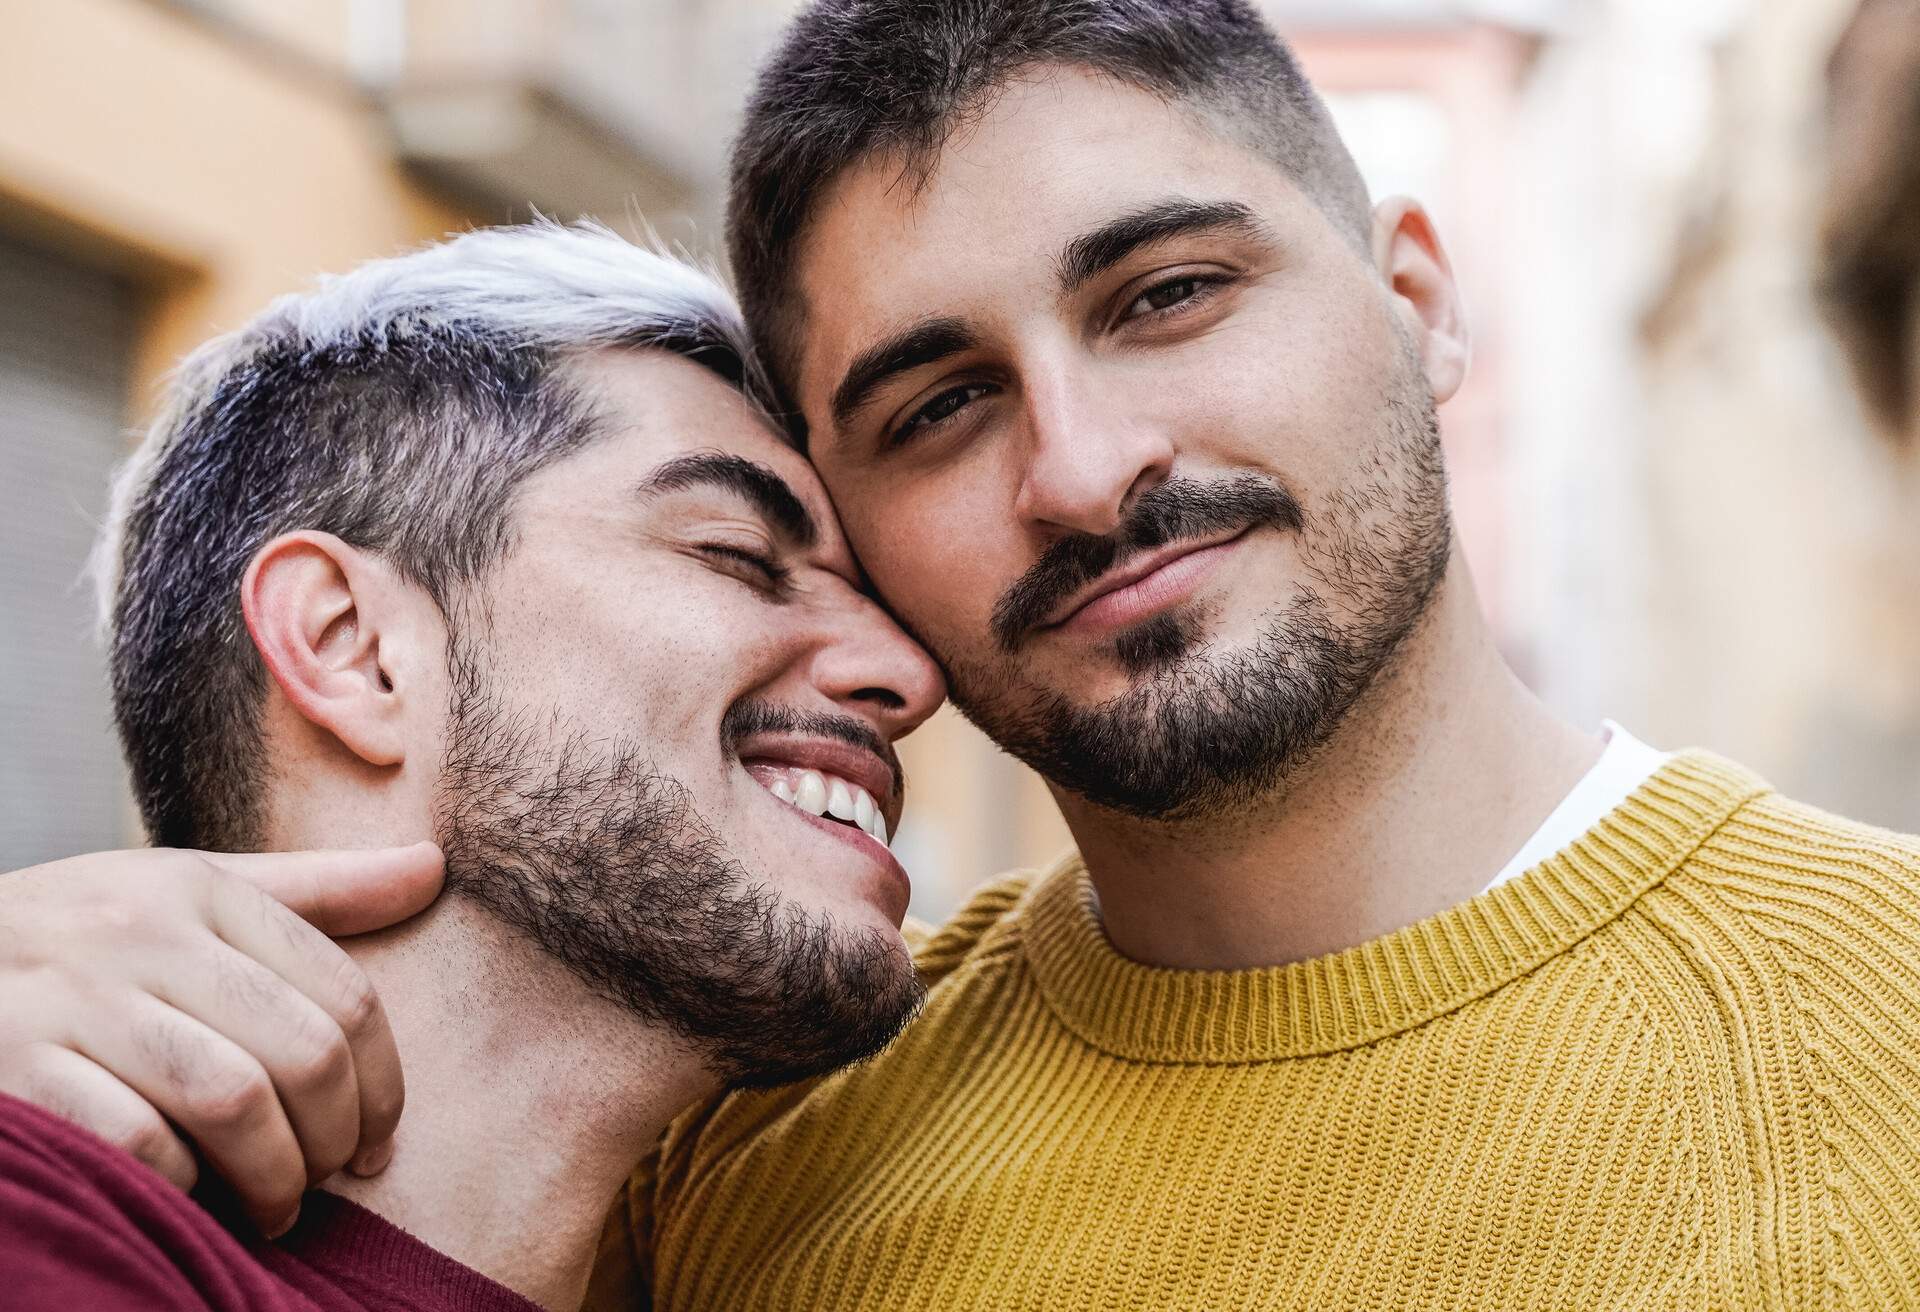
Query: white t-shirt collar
point(1624, 765)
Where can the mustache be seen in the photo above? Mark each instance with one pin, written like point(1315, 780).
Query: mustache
point(743, 719)
point(1176, 510)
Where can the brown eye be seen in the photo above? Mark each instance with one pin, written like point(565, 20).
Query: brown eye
point(943, 406)
point(1174, 296)
point(1169, 293)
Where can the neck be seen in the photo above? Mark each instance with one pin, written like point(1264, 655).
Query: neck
point(529, 1100)
point(1430, 783)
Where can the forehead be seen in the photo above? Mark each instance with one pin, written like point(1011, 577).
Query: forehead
point(655, 406)
point(1054, 153)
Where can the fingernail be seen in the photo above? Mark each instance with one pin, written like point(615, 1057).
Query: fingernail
point(372, 1161)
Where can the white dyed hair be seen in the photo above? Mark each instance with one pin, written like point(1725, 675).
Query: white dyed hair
point(543, 285)
point(397, 406)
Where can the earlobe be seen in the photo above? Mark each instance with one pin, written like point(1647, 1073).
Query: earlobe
point(311, 604)
point(1414, 265)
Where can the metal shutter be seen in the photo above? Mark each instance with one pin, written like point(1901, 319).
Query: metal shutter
point(65, 334)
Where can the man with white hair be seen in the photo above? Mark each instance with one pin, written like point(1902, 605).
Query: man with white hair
point(487, 546)
point(1372, 983)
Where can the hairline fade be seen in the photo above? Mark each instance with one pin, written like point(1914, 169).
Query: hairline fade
point(398, 406)
point(858, 80)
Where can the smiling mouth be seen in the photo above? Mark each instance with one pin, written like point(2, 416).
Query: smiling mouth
point(826, 796)
point(1129, 590)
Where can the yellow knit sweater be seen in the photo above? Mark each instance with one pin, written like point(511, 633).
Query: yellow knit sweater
point(1675, 1066)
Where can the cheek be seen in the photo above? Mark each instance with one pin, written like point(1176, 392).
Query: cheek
point(653, 655)
point(942, 550)
point(1298, 388)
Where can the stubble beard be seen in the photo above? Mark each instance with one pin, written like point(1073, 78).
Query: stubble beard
point(1203, 731)
point(581, 845)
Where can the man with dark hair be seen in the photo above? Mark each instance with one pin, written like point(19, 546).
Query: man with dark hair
point(1372, 982)
point(858, 81)
point(482, 545)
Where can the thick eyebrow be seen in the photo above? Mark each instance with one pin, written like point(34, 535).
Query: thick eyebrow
point(1090, 254)
point(765, 490)
point(924, 343)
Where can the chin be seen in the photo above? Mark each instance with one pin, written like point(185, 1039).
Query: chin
point(862, 915)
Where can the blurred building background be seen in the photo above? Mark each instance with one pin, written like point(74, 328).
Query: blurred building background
point(1673, 498)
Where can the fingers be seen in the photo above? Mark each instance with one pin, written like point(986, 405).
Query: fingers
point(63, 1082)
point(302, 1048)
point(220, 1097)
point(344, 892)
point(318, 1086)
point(190, 994)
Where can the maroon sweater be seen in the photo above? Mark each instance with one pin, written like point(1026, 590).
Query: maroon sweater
point(85, 1226)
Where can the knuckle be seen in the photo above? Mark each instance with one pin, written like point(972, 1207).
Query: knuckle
point(232, 1098)
point(185, 863)
point(174, 871)
point(317, 1055)
point(382, 1102)
point(145, 1136)
point(113, 919)
point(353, 1003)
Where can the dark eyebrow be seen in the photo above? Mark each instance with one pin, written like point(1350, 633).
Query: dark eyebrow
point(766, 490)
point(924, 343)
point(1090, 254)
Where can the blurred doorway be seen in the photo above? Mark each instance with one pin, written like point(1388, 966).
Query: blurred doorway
point(66, 333)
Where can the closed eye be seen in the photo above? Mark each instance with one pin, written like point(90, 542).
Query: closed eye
point(756, 569)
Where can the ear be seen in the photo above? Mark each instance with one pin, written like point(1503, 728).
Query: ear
point(315, 608)
point(1413, 263)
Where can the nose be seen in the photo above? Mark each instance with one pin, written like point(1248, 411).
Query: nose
point(1088, 455)
point(871, 667)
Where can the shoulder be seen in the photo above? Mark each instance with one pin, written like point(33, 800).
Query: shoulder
point(981, 929)
point(1814, 882)
point(1805, 928)
point(82, 1224)
point(1788, 896)
point(1822, 914)
point(52, 1173)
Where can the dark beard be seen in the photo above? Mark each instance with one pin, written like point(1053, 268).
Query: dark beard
point(580, 844)
point(1205, 732)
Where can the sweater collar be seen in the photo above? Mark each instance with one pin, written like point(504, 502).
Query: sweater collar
point(1386, 985)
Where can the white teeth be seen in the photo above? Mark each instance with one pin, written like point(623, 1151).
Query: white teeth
point(818, 794)
point(839, 801)
point(811, 796)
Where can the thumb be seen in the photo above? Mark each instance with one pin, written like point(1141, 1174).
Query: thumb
point(348, 891)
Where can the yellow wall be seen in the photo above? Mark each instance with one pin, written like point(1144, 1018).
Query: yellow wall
point(220, 170)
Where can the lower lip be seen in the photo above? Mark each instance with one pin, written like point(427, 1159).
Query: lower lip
point(860, 842)
point(1163, 589)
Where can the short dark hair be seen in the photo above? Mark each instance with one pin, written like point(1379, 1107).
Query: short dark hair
point(399, 407)
point(855, 78)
